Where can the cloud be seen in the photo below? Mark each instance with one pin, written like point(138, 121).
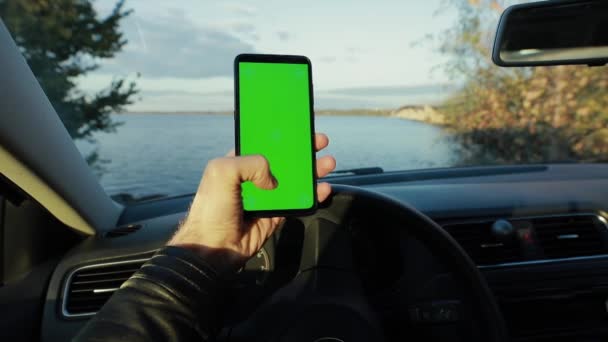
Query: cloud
point(168, 92)
point(173, 46)
point(382, 96)
point(283, 36)
point(241, 9)
point(354, 53)
point(176, 100)
point(327, 59)
point(243, 27)
point(423, 89)
point(355, 49)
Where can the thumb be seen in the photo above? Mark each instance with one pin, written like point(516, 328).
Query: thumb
point(256, 169)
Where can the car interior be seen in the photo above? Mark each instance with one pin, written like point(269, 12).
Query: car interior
point(488, 253)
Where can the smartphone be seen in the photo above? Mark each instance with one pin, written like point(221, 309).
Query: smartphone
point(274, 117)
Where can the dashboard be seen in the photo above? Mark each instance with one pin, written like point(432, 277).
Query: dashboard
point(537, 233)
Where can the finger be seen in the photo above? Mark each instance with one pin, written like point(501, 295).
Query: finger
point(323, 191)
point(255, 168)
point(325, 165)
point(321, 141)
point(265, 227)
point(232, 171)
point(231, 153)
point(277, 221)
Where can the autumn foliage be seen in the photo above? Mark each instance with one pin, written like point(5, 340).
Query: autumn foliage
point(520, 115)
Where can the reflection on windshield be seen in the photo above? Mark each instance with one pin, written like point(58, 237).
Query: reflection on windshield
point(146, 90)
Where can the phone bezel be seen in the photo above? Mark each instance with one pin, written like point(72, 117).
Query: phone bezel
point(278, 59)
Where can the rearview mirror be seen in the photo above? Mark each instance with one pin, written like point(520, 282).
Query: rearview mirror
point(553, 33)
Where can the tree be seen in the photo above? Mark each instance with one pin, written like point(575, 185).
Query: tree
point(65, 39)
point(519, 115)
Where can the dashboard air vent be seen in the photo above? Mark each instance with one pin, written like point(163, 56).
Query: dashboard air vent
point(482, 245)
point(89, 287)
point(124, 230)
point(570, 236)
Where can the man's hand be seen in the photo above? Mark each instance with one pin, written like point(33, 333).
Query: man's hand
point(215, 227)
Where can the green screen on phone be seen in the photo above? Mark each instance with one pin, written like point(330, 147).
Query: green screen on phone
point(275, 121)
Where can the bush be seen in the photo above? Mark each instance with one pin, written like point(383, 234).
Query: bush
point(520, 115)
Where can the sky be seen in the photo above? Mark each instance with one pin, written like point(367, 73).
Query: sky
point(364, 53)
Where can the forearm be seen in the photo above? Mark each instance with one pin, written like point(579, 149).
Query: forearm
point(175, 296)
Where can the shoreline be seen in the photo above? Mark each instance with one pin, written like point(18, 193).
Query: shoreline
point(421, 113)
point(426, 114)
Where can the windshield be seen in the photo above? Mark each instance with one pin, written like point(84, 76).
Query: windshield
point(146, 88)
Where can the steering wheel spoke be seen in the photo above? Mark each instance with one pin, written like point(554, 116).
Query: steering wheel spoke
point(326, 245)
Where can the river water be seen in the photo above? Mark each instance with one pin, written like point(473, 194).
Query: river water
point(166, 153)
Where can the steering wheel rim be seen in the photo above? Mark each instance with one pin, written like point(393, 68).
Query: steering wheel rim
point(347, 200)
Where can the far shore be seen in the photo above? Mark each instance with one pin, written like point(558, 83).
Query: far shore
point(426, 114)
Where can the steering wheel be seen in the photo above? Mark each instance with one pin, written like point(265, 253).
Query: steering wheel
point(326, 301)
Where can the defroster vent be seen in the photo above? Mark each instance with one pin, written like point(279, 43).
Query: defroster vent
point(482, 245)
point(524, 239)
point(570, 236)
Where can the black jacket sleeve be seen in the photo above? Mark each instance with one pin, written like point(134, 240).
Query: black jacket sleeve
point(174, 297)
